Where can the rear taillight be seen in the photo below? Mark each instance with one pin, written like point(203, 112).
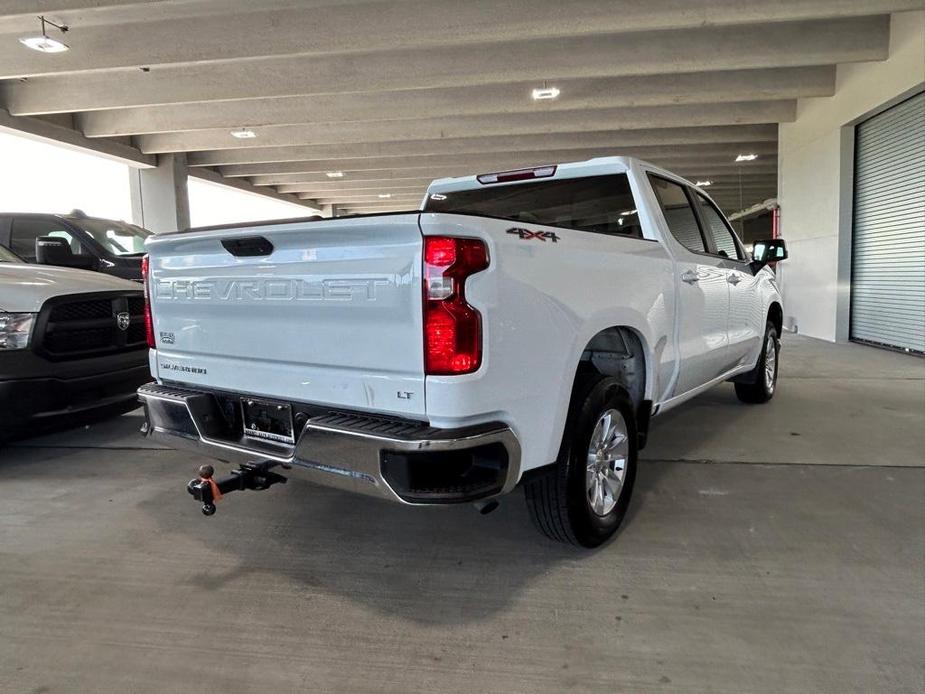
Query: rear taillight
point(149, 321)
point(452, 328)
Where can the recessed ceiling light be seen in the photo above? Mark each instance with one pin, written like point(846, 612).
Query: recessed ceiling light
point(45, 43)
point(244, 134)
point(335, 174)
point(385, 195)
point(703, 184)
point(546, 93)
point(746, 157)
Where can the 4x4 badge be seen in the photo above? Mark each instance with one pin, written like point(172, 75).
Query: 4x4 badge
point(526, 235)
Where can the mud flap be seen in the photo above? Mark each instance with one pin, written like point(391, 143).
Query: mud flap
point(643, 415)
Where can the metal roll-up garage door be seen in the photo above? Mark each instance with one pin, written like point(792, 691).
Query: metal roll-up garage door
point(888, 265)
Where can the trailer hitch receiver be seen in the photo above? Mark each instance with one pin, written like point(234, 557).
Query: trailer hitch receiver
point(207, 490)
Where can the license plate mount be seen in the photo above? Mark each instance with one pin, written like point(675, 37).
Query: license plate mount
point(267, 420)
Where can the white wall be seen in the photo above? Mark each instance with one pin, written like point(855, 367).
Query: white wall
point(815, 175)
point(37, 176)
point(213, 203)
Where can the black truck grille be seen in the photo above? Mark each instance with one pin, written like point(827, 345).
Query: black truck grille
point(82, 310)
point(89, 325)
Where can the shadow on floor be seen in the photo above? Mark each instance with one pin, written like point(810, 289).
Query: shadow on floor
point(429, 565)
point(721, 413)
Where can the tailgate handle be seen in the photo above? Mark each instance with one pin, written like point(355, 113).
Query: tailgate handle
point(248, 246)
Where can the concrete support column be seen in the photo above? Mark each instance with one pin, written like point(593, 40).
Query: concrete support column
point(160, 198)
point(328, 211)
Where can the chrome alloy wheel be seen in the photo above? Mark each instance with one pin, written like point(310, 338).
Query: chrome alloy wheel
point(607, 456)
point(770, 363)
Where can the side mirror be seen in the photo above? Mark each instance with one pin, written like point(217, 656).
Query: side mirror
point(52, 250)
point(768, 251)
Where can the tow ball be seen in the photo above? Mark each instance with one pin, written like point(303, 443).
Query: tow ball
point(207, 490)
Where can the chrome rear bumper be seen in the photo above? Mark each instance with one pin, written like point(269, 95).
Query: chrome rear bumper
point(344, 451)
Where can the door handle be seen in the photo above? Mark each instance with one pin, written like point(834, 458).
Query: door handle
point(690, 277)
point(733, 279)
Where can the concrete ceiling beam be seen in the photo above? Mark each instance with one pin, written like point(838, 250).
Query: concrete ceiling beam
point(605, 92)
point(417, 193)
point(690, 115)
point(311, 191)
point(17, 16)
point(334, 28)
point(392, 184)
point(689, 170)
point(401, 204)
point(747, 190)
point(702, 49)
point(371, 199)
point(350, 211)
point(762, 174)
point(419, 183)
point(707, 154)
point(744, 134)
point(307, 191)
point(42, 129)
point(344, 198)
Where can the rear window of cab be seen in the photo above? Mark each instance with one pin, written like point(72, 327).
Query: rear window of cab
point(599, 204)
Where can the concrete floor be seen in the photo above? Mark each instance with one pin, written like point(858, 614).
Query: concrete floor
point(801, 573)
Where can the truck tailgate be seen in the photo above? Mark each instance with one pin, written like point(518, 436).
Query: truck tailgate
point(331, 316)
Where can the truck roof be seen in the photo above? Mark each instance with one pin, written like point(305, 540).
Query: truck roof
point(598, 166)
point(590, 167)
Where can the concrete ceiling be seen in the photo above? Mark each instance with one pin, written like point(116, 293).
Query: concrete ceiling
point(394, 94)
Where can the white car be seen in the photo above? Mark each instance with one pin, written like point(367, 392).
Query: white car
point(521, 327)
point(72, 342)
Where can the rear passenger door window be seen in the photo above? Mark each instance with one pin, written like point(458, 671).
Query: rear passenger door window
point(723, 240)
point(703, 294)
point(679, 213)
point(26, 230)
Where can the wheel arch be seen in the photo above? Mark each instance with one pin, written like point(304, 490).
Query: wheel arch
point(602, 340)
point(619, 351)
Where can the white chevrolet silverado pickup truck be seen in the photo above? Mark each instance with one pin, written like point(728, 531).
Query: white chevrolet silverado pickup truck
point(520, 328)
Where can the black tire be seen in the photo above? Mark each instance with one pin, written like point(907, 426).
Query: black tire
point(757, 387)
point(558, 499)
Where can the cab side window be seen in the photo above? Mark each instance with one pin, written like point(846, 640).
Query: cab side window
point(679, 213)
point(25, 231)
point(719, 231)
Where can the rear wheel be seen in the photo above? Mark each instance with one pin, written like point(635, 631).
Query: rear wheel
point(583, 498)
point(762, 381)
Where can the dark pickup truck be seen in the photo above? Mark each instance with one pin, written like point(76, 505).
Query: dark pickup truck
point(76, 240)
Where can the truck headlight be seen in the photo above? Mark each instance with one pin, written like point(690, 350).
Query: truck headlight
point(15, 330)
